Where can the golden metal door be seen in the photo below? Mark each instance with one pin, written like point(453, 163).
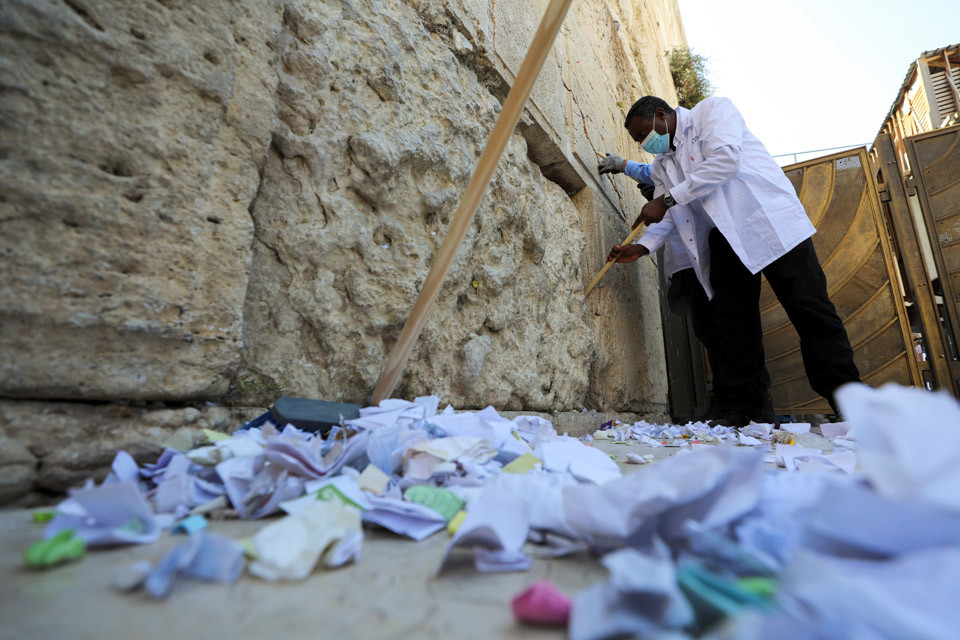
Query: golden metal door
point(912, 249)
point(840, 197)
point(935, 164)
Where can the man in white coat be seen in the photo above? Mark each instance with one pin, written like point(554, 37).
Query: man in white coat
point(685, 295)
point(738, 216)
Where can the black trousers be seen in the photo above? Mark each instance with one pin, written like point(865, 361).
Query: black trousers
point(801, 287)
point(687, 296)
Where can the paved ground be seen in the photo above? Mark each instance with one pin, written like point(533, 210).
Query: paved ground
point(392, 592)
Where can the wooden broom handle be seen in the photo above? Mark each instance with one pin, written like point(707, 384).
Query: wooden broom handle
point(506, 122)
point(629, 239)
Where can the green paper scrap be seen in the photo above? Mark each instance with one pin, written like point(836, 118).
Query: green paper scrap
point(714, 596)
point(215, 436)
point(444, 502)
point(758, 586)
point(330, 492)
point(44, 516)
point(525, 463)
point(63, 547)
point(249, 549)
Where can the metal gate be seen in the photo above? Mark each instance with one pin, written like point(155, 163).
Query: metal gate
point(935, 163)
point(839, 195)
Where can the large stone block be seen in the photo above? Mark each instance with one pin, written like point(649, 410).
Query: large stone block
point(52, 446)
point(131, 137)
point(18, 470)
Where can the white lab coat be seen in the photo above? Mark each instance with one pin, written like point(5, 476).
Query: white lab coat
point(685, 230)
point(675, 258)
point(722, 167)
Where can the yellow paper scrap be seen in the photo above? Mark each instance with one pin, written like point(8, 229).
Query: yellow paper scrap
point(525, 463)
point(456, 521)
point(373, 480)
point(183, 439)
point(526, 445)
point(214, 436)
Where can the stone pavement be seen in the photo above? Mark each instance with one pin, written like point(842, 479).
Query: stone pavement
point(392, 592)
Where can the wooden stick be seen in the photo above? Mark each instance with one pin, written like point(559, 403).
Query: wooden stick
point(629, 239)
point(502, 130)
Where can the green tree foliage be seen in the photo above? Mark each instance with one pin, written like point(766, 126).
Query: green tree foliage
point(689, 72)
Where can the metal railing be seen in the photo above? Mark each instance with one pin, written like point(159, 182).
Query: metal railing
point(800, 153)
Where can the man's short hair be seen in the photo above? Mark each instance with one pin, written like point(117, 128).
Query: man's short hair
point(645, 107)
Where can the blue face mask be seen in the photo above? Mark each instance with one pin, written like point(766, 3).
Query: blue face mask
point(656, 142)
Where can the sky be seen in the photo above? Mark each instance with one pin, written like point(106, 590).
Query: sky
point(813, 74)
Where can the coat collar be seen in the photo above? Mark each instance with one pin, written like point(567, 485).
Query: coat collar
point(684, 123)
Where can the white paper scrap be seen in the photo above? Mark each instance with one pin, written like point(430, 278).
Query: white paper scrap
point(908, 441)
point(406, 518)
point(108, 515)
point(786, 453)
point(289, 548)
point(796, 427)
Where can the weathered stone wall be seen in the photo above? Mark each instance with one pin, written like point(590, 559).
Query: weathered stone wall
point(220, 202)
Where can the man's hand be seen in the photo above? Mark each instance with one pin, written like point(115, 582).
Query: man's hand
point(628, 253)
point(652, 212)
point(611, 164)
